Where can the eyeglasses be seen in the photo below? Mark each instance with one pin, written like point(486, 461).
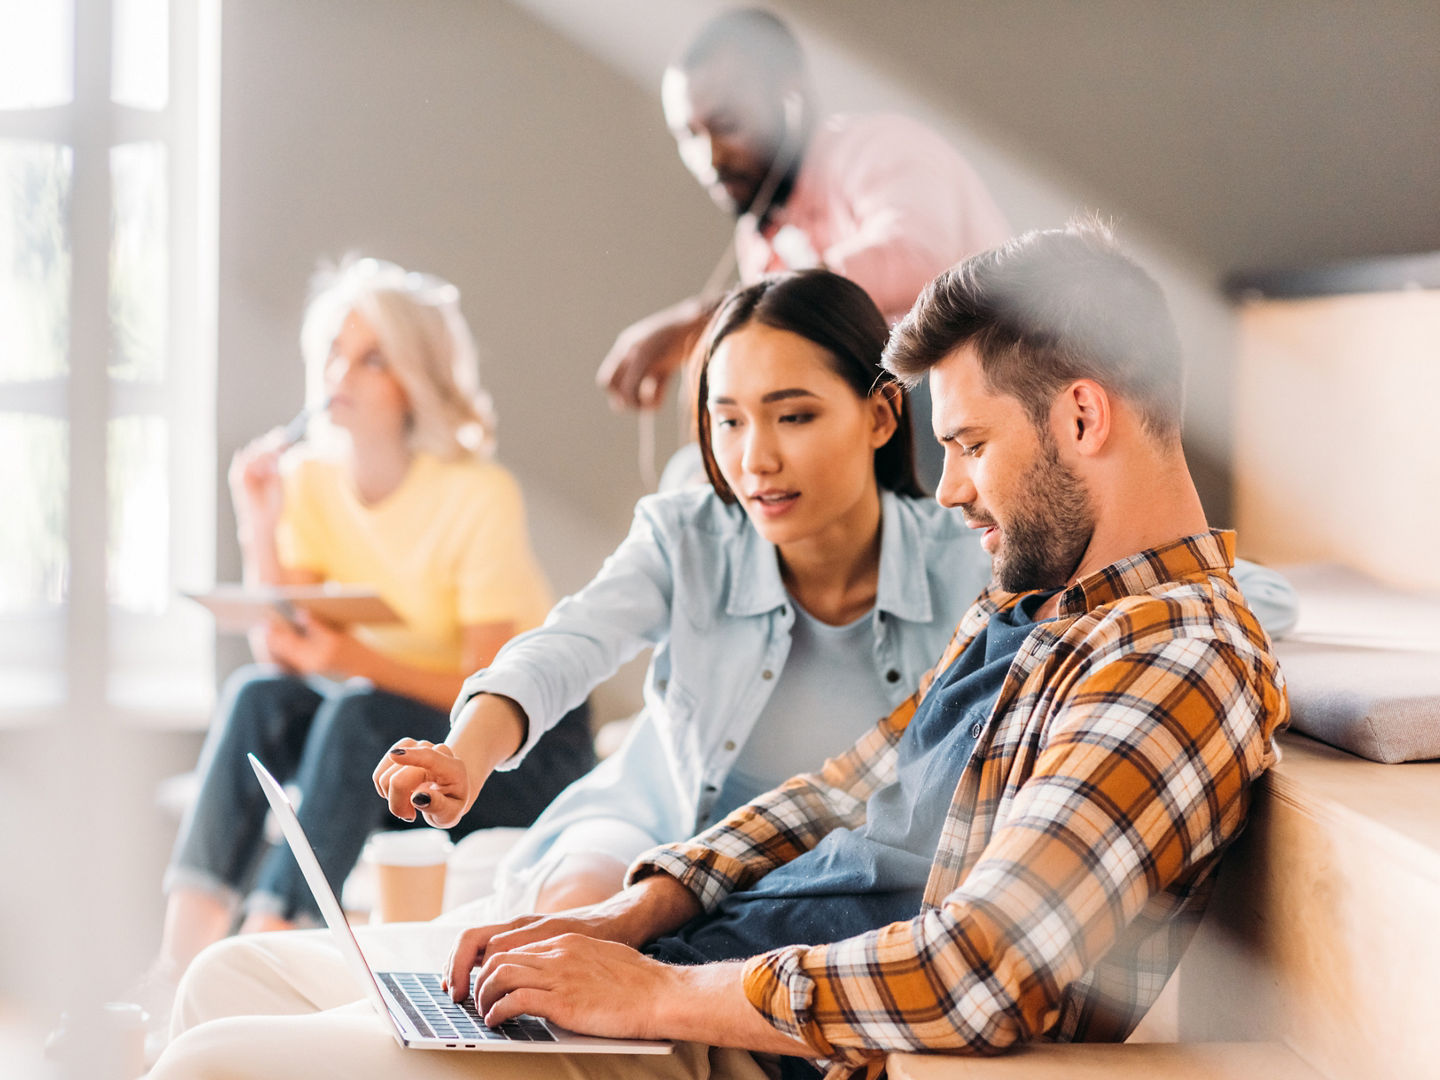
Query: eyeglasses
point(422, 288)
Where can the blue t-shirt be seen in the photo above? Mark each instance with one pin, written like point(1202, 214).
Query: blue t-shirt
point(857, 880)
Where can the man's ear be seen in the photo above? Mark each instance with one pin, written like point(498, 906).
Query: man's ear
point(1085, 416)
point(885, 403)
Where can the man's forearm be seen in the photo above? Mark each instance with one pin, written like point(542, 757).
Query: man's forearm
point(651, 908)
point(710, 1006)
point(708, 1002)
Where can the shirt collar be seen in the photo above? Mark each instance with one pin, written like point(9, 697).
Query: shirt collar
point(904, 586)
point(804, 190)
point(903, 589)
point(1190, 555)
point(755, 585)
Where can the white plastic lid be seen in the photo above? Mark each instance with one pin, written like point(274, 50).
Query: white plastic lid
point(409, 847)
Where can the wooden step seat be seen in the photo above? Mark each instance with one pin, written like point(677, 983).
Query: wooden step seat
point(1320, 949)
point(1099, 1061)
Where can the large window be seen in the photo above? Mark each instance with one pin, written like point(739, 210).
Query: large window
point(108, 117)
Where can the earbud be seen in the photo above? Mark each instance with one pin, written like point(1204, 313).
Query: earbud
point(793, 104)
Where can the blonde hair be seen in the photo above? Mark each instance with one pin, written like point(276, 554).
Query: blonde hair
point(425, 342)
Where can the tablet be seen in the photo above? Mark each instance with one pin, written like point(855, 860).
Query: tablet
point(241, 607)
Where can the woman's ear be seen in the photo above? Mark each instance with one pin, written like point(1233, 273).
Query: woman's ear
point(885, 403)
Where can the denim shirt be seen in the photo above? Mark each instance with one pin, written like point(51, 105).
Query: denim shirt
point(695, 582)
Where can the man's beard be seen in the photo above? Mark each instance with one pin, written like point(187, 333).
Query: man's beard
point(778, 197)
point(1048, 530)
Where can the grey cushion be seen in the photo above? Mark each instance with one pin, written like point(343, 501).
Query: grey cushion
point(1383, 704)
point(1363, 665)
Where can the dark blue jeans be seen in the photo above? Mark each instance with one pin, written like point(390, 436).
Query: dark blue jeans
point(326, 738)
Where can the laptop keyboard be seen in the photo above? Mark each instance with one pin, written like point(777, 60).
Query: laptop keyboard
point(434, 1014)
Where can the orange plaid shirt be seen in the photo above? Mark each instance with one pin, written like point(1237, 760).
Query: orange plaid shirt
point(1080, 844)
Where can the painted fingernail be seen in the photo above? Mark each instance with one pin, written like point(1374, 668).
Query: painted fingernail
point(398, 753)
point(420, 799)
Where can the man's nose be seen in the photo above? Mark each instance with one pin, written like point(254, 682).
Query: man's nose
point(722, 155)
point(955, 487)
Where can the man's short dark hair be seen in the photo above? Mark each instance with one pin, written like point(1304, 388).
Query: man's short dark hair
point(1044, 310)
point(758, 37)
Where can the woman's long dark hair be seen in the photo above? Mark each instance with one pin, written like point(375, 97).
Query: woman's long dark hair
point(836, 314)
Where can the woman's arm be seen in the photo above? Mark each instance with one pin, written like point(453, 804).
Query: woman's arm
point(257, 493)
point(587, 636)
point(540, 676)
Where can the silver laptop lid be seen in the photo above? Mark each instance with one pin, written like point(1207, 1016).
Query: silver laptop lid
point(324, 895)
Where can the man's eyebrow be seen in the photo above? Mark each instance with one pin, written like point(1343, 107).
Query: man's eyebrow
point(772, 396)
point(960, 434)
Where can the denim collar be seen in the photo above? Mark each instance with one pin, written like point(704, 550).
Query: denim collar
point(903, 589)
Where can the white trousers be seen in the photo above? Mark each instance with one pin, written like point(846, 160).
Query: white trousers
point(285, 1007)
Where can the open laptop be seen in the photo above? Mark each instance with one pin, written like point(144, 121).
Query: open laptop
point(421, 1015)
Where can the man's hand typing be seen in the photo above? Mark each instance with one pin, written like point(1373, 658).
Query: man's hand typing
point(582, 970)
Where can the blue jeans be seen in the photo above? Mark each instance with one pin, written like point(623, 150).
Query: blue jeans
point(326, 738)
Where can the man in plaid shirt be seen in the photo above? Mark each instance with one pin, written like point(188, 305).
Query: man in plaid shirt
point(1020, 852)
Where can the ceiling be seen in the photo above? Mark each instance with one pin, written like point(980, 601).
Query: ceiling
point(1248, 135)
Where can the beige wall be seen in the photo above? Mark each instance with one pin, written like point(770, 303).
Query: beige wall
point(468, 140)
point(856, 71)
point(1336, 455)
point(464, 139)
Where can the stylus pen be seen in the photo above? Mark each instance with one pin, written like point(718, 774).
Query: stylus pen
point(294, 431)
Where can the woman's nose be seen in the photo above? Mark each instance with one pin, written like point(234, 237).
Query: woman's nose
point(761, 454)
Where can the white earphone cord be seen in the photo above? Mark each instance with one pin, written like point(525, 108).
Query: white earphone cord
point(715, 286)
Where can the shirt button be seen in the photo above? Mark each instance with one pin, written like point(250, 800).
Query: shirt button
point(892, 675)
point(662, 685)
point(729, 744)
point(767, 674)
point(976, 729)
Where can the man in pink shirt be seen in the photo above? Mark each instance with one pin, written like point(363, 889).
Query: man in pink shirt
point(879, 198)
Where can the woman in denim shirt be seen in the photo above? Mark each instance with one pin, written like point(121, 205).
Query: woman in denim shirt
point(814, 530)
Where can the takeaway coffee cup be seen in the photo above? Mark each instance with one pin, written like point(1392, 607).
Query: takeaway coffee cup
point(100, 1042)
point(409, 873)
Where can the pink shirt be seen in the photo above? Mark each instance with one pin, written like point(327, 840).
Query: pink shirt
point(881, 199)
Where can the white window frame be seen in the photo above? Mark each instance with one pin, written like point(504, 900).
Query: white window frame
point(89, 659)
